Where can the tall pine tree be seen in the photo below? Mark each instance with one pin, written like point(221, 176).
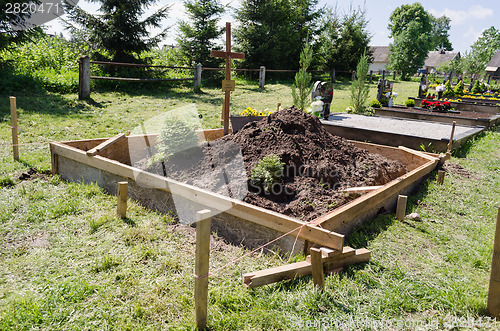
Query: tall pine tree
point(118, 27)
point(272, 32)
point(343, 40)
point(197, 36)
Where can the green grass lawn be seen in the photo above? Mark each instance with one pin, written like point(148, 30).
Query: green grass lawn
point(67, 263)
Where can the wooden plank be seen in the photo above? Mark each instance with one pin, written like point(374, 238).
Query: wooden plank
point(201, 267)
point(401, 207)
point(346, 252)
point(327, 252)
point(273, 275)
point(493, 305)
point(299, 269)
point(105, 144)
point(360, 255)
point(423, 155)
point(358, 207)
point(218, 202)
point(317, 268)
point(361, 189)
point(224, 54)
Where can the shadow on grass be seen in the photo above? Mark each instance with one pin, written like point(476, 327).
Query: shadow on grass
point(466, 147)
point(129, 222)
point(363, 235)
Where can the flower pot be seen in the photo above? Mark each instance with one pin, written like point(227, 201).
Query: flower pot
point(390, 102)
point(238, 122)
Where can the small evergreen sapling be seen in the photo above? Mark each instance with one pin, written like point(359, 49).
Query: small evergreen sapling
point(267, 172)
point(302, 88)
point(359, 88)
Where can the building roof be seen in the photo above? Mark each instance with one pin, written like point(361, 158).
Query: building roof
point(435, 58)
point(380, 54)
point(494, 63)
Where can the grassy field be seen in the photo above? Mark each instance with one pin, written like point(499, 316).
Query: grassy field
point(67, 263)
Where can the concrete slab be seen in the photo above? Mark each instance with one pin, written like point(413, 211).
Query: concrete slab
point(399, 132)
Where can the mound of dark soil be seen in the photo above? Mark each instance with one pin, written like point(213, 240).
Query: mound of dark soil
point(317, 165)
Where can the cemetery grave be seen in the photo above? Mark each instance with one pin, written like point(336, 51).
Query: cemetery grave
point(243, 221)
point(399, 132)
point(476, 106)
point(460, 117)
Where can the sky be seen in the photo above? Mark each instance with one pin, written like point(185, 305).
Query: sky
point(468, 18)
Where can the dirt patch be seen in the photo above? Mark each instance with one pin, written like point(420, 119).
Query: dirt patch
point(318, 165)
point(457, 169)
point(32, 174)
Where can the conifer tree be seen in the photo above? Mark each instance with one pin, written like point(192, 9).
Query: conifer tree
point(119, 29)
point(197, 36)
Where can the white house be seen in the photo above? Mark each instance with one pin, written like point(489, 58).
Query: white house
point(380, 58)
point(436, 58)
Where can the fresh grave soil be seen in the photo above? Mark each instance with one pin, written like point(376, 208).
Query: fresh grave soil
point(464, 114)
point(317, 167)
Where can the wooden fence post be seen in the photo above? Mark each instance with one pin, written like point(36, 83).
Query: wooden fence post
point(401, 207)
point(333, 75)
point(262, 77)
point(121, 208)
point(353, 76)
point(493, 305)
point(317, 268)
point(197, 76)
point(371, 75)
point(13, 124)
point(202, 267)
point(84, 77)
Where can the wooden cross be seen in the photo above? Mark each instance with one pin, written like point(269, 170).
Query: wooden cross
point(228, 85)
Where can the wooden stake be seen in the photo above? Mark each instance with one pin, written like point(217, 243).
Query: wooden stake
point(401, 207)
point(121, 208)
point(13, 123)
point(201, 267)
point(450, 144)
point(493, 305)
point(440, 179)
point(317, 268)
point(278, 106)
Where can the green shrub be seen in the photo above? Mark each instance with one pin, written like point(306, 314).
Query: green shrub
point(410, 103)
point(176, 136)
point(50, 61)
point(476, 88)
point(483, 87)
point(375, 104)
point(459, 88)
point(449, 90)
point(267, 172)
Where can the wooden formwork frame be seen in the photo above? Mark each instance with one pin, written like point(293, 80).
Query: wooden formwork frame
point(323, 231)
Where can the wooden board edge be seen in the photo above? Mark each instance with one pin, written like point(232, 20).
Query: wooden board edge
point(299, 269)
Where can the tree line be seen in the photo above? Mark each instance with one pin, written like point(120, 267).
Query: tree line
point(270, 32)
